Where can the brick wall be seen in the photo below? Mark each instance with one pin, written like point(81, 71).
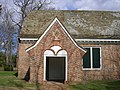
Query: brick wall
point(110, 64)
point(23, 60)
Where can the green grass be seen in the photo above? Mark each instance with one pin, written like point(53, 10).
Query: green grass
point(8, 79)
point(97, 85)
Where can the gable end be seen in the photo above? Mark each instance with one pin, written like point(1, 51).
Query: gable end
point(55, 20)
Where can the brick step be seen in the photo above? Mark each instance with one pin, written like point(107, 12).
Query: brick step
point(54, 86)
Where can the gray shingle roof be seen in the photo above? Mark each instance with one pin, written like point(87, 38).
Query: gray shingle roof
point(80, 24)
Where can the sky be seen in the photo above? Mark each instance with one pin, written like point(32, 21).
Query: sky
point(108, 5)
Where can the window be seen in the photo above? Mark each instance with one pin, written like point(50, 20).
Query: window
point(92, 59)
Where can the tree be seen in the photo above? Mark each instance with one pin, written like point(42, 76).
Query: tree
point(6, 34)
point(25, 6)
point(0, 8)
point(0, 27)
point(2, 59)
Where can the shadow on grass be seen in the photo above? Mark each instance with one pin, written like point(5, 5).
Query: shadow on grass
point(113, 85)
point(97, 85)
point(18, 84)
point(16, 74)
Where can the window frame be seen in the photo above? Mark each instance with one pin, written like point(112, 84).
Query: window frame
point(91, 59)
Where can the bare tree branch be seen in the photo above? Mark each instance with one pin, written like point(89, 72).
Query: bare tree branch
point(7, 31)
point(29, 5)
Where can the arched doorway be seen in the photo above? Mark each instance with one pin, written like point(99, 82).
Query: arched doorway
point(55, 64)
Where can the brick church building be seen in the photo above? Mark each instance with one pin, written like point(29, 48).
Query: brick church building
point(69, 46)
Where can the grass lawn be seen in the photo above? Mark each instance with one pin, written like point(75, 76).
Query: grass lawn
point(9, 80)
point(97, 85)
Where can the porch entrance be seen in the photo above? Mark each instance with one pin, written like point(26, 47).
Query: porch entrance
point(55, 69)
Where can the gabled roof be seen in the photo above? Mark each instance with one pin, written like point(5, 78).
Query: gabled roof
point(80, 24)
point(55, 20)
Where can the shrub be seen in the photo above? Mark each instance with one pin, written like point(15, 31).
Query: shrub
point(8, 68)
point(2, 59)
